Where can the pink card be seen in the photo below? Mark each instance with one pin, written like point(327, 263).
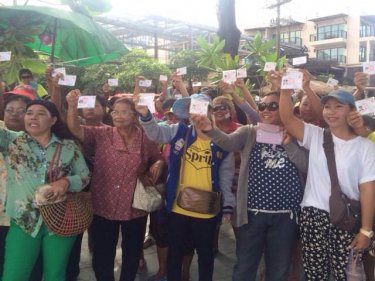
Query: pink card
point(268, 133)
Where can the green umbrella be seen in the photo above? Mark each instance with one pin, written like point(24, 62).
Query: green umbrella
point(68, 36)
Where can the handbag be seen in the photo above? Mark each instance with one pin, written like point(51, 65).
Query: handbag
point(345, 213)
point(355, 270)
point(147, 197)
point(195, 199)
point(71, 216)
point(198, 200)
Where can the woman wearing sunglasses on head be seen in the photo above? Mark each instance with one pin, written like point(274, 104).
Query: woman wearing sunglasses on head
point(268, 193)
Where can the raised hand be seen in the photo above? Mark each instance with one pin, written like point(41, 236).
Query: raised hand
point(72, 98)
point(141, 109)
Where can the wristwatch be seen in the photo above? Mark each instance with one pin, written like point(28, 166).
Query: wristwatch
point(368, 234)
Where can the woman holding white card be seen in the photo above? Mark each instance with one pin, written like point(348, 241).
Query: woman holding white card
point(196, 163)
point(122, 153)
point(268, 193)
point(325, 246)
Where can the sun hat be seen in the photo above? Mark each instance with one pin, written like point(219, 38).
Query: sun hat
point(24, 90)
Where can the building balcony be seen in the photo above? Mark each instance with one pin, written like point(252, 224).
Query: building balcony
point(339, 59)
point(327, 39)
point(292, 41)
point(367, 34)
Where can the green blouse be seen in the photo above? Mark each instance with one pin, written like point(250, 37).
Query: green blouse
point(27, 163)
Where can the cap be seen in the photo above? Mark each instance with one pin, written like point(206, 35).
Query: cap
point(24, 90)
point(341, 96)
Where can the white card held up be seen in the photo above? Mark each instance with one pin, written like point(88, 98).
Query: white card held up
point(5, 56)
point(366, 106)
point(229, 76)
point(181, 70)
point(147, 99)
point(332, 82)
point(60, 70)
point(269, 66)
point(113, 82)
point(299, 60)
point(369, 67)
point(68, 80)
point(198, 106)
point(86, 101)
point(145, 83)
point(292, 80)
point(163, 78)
point(197, 84)
point(241, 73)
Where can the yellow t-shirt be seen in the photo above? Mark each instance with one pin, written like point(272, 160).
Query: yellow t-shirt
point(372, 136)
point(196, 173)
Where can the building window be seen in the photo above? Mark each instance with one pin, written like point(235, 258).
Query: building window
point(362, 53)
point(366, 30)
point(292, 37)
point(333, 54)
point(331, 31)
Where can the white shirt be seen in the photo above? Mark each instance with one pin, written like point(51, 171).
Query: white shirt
point(355, 162)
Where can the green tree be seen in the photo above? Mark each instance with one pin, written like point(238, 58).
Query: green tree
point(13, 35)
point(261, 51)
point(136, 62)
point(189, 59)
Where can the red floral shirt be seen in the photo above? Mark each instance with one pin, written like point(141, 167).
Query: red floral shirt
point(115, 170)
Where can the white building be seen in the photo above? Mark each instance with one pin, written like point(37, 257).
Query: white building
point(345, 41)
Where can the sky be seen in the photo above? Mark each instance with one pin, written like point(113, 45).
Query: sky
point(249, 13)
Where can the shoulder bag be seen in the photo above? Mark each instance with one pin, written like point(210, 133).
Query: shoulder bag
point(147, 197)
point(70, 216)
point(345, 213)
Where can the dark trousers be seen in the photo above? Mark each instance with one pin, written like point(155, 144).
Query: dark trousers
point(72, 269)
point(36, 274)
point(270, 233)
point(105, 234)
point(201, 232)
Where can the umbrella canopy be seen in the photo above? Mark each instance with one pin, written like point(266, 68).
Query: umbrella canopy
point(68, 36)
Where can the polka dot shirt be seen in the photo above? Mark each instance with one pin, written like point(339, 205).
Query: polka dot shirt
point(273, 179)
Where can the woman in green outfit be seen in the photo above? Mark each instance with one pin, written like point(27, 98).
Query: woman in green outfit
point(28, 156)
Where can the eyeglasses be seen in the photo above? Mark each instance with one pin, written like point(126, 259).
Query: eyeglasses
point(220, 108)
point(26, 77)
point(17, 111)
point(272, 106)
point(121, 112)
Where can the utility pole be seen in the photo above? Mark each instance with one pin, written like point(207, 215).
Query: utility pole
point(278, 5)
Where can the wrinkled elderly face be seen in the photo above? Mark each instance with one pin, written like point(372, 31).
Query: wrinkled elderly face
point(14, 114)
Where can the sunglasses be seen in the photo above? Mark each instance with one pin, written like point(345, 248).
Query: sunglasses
point(272, 106)
point(26, 77)
point(220, 108)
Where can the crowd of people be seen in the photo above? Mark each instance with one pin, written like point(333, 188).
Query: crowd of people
point(261, 162)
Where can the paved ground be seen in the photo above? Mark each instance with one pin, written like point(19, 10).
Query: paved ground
point(223, 262)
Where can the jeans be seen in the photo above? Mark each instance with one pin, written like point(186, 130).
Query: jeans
point(201, 232)
point(270, 233)
point(105, 234)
